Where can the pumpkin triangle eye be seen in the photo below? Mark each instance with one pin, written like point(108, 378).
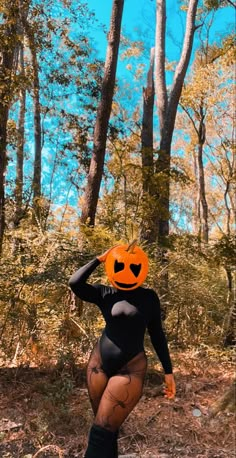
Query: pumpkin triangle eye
point(135, 269)
point(118, 266)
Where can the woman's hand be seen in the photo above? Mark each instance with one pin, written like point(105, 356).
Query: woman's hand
point(170, 388)
point(103, 257)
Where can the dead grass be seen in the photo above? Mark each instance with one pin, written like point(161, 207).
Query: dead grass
point(46, 412)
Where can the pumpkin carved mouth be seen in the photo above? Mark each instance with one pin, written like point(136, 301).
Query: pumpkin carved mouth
point(125, 285)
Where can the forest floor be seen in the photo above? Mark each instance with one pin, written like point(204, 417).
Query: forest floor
point(45, 412)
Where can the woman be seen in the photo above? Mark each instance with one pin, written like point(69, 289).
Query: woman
point(117, 365)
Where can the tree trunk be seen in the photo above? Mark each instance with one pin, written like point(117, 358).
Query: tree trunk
point(147, 151)
point(8, 41)
point(3, 144)
point(227, 206)
point(229, 193)
point(20, 147)
point(201, 206)
point(103, 114)
point(230, 334)
point(36, 183)
point(160, 75)
point(147, 127)
point(202, 193)
point(18, 211)
point(201, 176)
point(195, 220)
point(167, 108)
point(37, 131)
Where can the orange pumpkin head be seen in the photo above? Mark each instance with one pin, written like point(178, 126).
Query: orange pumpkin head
point(126, 266)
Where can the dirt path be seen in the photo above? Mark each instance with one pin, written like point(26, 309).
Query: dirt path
point(47, 413)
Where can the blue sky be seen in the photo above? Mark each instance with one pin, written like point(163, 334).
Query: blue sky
point(134, 15)
point(140, 14)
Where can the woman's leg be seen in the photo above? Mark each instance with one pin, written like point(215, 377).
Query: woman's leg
point(101, 441)
point(121, 394)
point(96, 378)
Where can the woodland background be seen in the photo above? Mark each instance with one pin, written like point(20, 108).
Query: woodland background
point(89, 157)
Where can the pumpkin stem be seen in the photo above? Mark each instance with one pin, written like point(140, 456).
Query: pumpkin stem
point(131, 246)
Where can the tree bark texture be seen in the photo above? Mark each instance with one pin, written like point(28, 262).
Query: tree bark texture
point(147, 150)
point(147, 127)
point(20, 146)
point(36, 184)
point(103, 114)
point(8, 43)
point(37, 124)
point(160, 75)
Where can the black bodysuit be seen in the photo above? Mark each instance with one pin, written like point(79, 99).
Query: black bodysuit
point(127, 314)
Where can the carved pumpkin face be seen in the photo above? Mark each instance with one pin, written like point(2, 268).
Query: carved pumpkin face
point(126, 266)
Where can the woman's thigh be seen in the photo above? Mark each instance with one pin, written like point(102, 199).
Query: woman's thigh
point(122, 393)
point(96, 378)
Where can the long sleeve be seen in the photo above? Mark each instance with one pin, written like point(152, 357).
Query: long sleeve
point(158, 337)
point(80, 287)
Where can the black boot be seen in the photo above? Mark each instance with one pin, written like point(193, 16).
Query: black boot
point(101, 443)
point(115, 445)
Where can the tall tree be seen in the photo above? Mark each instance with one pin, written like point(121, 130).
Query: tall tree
point(20, 143)
point(36, 184)
point(147, 147)
point(20, 50)
point(37, 126)
point(8, 40)
point(167, 104)
point(201, 204)
point(103, 114)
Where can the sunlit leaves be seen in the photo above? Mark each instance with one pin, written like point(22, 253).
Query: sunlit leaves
point(215, 4)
